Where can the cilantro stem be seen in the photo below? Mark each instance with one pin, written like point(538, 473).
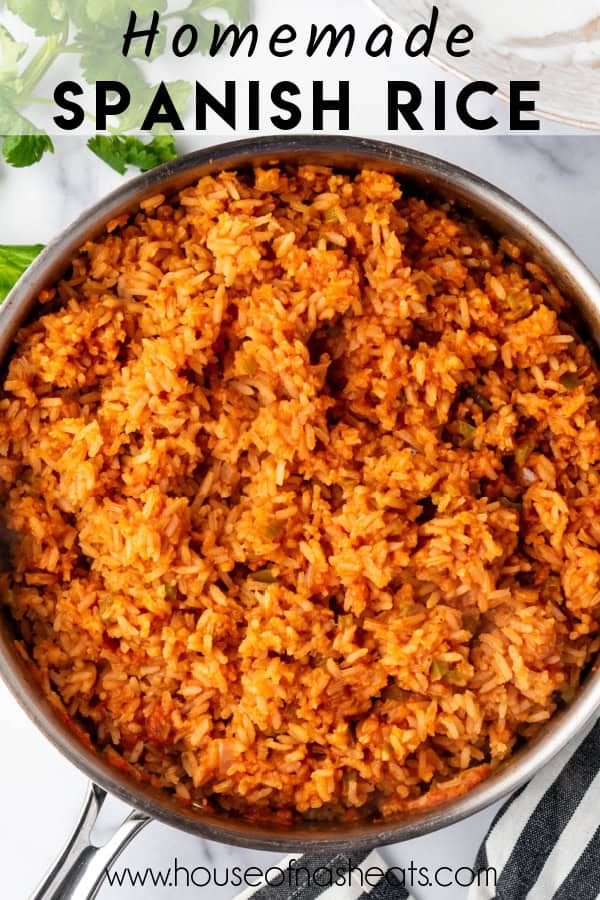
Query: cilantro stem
point(42, 101)
point(41, 62)
point(25, 101)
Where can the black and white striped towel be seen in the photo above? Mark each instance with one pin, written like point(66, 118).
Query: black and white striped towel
point(544, 844)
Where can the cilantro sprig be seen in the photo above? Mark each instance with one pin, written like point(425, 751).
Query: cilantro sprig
point(13, 262)
point(93, 31)
point(120, 151)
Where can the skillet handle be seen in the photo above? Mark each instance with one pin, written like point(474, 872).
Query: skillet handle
point(80, 869)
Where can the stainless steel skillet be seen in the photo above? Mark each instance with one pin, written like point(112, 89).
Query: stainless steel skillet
point(77, 869)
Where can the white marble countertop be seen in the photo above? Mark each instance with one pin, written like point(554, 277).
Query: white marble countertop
point(559, 178)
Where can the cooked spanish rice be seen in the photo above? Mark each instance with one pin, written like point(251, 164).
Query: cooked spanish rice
point(301, 475)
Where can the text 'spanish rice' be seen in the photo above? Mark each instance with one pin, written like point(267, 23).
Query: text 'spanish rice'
point(301, 478)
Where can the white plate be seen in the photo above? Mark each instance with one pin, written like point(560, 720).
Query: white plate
point(569, 88)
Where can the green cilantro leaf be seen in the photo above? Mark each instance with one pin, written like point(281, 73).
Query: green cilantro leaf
point(101, 56)
point(22, 142)
point(13, 262)
point(114, 14)
point(101, 24)
point(10, 54)
point(237, 10)
point(137, 49)
point(11, 121)
point(112, 149)
point(110, 15)
point(21, 150)
point(120, 151)
point(44, 17)
point(205, 32)
point(77, 12)
point(132, 118)
point(199, 12)
point(160, 150)
point(180, 93)
point(101, 63)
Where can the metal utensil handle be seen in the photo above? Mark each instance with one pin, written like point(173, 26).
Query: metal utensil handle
point(80, 869)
